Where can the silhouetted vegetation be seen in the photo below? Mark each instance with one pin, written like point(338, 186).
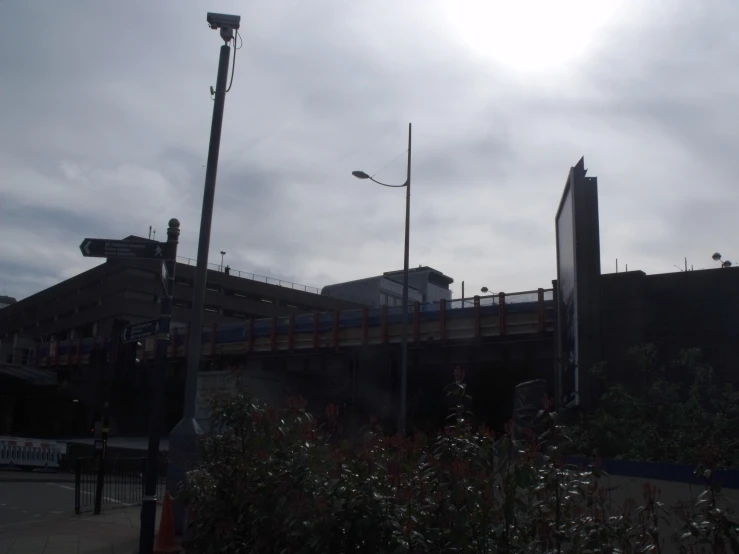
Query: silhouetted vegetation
point(276, 481)
point(675, 413)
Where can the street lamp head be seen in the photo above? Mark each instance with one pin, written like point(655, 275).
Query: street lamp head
point(360, 175)
point(716, 257)
point(484, 289)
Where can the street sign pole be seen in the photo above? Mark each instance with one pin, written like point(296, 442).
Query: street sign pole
point(149, 504)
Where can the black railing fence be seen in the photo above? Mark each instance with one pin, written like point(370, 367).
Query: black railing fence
point(122, 483)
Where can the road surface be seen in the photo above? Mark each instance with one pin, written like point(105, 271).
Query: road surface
point(24, 501)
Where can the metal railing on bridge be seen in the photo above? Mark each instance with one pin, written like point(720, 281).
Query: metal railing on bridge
point(253, 276)
point(529, 312)
point(269, 280)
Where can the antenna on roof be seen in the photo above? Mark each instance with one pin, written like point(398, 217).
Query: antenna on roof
point(149, 232)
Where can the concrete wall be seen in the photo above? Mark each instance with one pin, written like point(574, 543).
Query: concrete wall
point(694, 309)
point(364, 380)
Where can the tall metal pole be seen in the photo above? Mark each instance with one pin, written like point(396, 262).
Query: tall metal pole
point(149, 503)
point(183, 438)
point(404, 336)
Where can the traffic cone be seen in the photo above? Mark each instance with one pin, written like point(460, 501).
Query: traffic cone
point(166, 543)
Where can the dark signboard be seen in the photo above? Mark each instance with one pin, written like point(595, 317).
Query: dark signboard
point(139, 331)
point(567, 296)
point(104, 248)
point(578, 286)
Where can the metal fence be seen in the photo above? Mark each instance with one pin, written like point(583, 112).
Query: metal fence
point(122, 483)
point(271, 280)
point(252, 276)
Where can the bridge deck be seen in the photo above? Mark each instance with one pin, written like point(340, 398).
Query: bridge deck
point(503, 315)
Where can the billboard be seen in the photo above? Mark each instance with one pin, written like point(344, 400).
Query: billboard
point(578, 286)
point(567, 296)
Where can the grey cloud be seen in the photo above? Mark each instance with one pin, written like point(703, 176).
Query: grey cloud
point(323, 88)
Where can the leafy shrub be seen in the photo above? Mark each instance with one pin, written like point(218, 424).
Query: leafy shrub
point(672, 413)
point(275, 481)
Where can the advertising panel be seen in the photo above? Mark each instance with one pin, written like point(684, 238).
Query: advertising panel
point(567, 308)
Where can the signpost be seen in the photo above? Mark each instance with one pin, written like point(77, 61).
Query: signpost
point(104, 248)
point(159, 328)
point(138, 331)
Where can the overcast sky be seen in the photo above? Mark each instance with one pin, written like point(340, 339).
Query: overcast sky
point(105, 118)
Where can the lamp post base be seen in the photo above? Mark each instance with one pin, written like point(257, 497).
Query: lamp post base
point(183, 457)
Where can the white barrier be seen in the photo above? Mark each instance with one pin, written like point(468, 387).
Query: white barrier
point(30, 453)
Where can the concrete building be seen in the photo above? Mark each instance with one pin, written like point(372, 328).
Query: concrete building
point(86, 305)
point(6, 301)
point(425, 285)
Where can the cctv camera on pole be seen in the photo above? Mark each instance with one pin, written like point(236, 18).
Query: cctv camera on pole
point(184, 437)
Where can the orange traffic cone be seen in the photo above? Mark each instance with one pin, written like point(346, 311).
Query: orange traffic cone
point(166, 543)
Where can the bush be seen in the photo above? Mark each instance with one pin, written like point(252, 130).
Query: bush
point(275, 481)
point(675, 413)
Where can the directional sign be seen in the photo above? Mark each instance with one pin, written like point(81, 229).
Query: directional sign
point(140, 330)
point(103, 248)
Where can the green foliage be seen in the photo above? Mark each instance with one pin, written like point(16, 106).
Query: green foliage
point(672, 413)
point(275, 481)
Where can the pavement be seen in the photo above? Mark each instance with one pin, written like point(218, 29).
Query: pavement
point(24, 501)
point(37, 517)
point(114, 532)
point(17, 475)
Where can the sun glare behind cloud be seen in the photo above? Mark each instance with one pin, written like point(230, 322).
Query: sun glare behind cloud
point(531, 36)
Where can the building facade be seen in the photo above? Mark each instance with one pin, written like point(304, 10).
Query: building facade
point(86, 305)
point(50, 402)
point(6, 301)
point(425, 285)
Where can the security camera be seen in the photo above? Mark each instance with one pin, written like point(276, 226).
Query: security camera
point(224, 21)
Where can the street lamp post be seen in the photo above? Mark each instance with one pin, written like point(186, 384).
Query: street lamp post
point(223, 253)
point(183, 439)
point(717, 258)
point(402, 415)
